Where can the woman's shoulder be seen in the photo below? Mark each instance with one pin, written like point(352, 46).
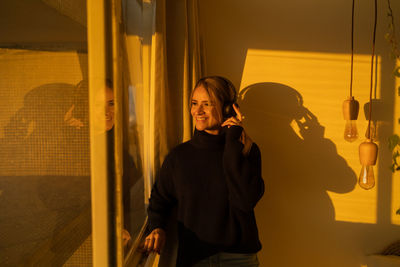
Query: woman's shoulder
point(177, 154)
point(181, 149)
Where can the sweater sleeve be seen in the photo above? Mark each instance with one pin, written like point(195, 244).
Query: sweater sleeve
point(162, 197)
point(243, 173)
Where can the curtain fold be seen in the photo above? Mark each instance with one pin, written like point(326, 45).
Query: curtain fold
point(165, 61)
point(177, 67)
point(174, 67)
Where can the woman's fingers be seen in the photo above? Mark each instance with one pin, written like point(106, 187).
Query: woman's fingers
point(159, 240)
point(146, 244)
point(150, 245)
point(157, 244)
point(237, 120)
point(154, 241)
point(231, 121)
point(239, 115)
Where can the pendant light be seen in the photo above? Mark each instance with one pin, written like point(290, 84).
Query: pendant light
point(368, 150)
point(350, 105)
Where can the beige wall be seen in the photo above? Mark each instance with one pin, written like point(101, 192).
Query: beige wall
point(291, 61)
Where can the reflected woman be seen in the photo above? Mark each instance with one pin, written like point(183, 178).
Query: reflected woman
point(214, 180)
point(104, 124)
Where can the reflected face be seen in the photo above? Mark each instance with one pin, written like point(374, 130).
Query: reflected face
point(204, 112)
point(109, 109)
point(104, 111)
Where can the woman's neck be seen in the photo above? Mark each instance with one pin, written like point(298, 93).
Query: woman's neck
point(213, 132)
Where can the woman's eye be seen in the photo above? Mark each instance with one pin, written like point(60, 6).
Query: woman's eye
point(194, 104)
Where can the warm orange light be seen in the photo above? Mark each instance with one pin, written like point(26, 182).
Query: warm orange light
point(319, 77)
point(368, 152)
point(366, 179)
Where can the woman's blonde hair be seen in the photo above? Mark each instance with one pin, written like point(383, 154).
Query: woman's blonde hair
point(221, 91)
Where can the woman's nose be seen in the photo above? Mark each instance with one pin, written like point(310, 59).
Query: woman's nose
point(199, 109)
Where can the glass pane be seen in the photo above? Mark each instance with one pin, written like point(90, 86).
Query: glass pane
point(134, 206)
point(44, 136)
point(132, 46)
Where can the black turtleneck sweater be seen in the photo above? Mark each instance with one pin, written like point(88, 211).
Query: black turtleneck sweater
point(215, 189)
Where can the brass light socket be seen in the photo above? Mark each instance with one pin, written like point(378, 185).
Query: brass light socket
point(368, 153)
point(350, 109)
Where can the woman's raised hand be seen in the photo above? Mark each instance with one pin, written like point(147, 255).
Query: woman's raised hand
point(155, 241)
point(234, 120)
point(244, 138)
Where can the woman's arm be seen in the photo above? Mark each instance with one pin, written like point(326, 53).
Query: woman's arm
point(243, 172)
point(161, 202)
point(242, 165)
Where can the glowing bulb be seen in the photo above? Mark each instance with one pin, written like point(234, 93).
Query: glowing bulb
point(350, 131)
point(368, 154)
point(366, 179)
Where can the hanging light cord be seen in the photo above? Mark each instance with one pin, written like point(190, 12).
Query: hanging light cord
point(352, 50)
point(392, 33)
point(372, 69)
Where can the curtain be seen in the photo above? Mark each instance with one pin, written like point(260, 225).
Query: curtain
point(162, 74)
point(177, 67)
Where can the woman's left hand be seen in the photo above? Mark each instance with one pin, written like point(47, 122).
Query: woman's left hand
point(234, 120)
point(244, 138)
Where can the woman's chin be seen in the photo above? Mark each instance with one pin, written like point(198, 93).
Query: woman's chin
point(199, 128)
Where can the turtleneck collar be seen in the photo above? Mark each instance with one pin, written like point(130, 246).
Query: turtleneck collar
point(206, 140)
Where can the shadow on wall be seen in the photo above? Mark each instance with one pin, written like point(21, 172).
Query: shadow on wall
point(44, 176)
point(296, 215)
point(40, 140)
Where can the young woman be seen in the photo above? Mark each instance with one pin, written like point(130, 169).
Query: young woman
point(214, 180)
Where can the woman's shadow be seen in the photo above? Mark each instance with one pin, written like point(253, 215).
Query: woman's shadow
point(45, 175)
point(296, 214)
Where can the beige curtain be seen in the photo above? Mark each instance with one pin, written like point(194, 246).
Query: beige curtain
point(177, 67)
point(162, 75)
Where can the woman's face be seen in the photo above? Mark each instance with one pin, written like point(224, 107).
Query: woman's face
point(104, 118)
point(204, 112)
point(109, 109)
